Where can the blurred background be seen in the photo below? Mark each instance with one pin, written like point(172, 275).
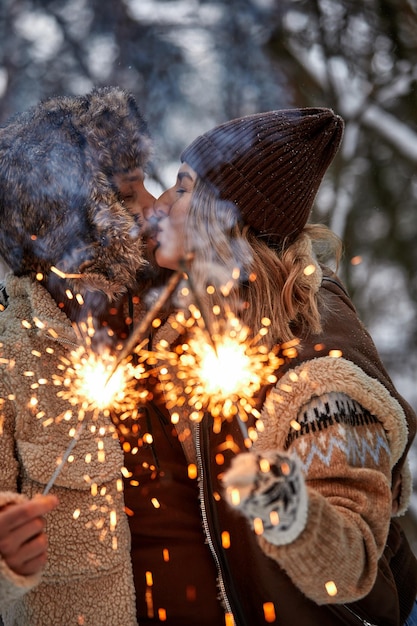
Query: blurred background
point(195, 63)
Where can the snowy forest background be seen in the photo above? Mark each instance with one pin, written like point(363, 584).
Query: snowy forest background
point(195, 63)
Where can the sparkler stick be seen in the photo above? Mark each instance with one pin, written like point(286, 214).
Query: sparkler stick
point(143, 327)
point(64, 459)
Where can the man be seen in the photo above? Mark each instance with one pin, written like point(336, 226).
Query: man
point(72, 198)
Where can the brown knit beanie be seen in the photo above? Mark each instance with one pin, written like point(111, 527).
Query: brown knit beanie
point(270, 165)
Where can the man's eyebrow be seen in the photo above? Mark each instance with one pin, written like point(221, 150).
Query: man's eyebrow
point(133, 176)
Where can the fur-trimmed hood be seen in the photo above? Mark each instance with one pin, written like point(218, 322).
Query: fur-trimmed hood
point(59, 205)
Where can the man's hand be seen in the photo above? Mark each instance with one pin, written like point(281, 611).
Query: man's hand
point(23, 540)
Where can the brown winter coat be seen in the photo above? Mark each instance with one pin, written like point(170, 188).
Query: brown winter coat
point(348, 464)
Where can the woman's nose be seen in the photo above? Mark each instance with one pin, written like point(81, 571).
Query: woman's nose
point(153, 214)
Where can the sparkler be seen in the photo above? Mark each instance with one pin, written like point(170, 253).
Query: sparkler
point(220, 367)
point(220, 377)
point(93, 384)
point(218, 370)
point(85, 384)
point(64, 458)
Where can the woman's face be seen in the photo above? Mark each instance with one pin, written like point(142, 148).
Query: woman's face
point(171, 209)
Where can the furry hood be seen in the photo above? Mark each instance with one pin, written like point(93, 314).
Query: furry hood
point(59, 205)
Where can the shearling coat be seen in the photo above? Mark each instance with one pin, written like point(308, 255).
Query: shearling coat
point(88, 578)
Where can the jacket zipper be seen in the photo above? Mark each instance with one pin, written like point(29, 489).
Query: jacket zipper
point(200, 465)
point(362, 621)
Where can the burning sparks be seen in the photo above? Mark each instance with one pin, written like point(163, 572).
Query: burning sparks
point(62, 274)
point(309, 270)
point(258, 526)
point(92, 386)
point(220, 373)
point(217, 370)
point(89, 383)
point(225, 539)
point(335, 354)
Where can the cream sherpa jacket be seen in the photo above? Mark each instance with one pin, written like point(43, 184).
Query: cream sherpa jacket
point(88, 578)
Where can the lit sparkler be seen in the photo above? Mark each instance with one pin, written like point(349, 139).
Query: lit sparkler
point(220, 376)
point(86, 382)
point(91, 386)
point(220, 367)
point(94, 384)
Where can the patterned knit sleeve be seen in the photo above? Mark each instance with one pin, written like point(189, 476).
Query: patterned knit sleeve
point(346, 432)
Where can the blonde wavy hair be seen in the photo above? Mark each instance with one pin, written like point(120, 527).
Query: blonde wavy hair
point(250, 277)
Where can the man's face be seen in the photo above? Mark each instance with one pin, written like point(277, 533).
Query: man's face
point(138, 201)
point(132, 191)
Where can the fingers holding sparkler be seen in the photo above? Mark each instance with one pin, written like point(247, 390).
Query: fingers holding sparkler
point(23, 541)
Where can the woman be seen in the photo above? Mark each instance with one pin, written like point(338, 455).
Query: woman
point(328, 473)
point(71, 202)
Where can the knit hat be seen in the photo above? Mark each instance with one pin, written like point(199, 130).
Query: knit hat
point(59, 205)
point(270, 165)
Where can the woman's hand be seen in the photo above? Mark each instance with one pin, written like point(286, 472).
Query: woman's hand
point(269, 489)
point(23, 540)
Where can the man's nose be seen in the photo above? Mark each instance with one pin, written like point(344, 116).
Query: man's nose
point(146, 200)
point(156, 212)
